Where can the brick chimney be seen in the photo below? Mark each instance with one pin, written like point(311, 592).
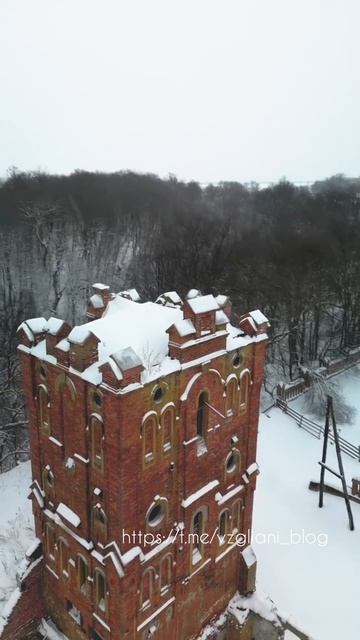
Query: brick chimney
point(98, 301)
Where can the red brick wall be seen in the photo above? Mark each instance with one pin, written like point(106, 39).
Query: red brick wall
point(29, 609)
point(128, 489)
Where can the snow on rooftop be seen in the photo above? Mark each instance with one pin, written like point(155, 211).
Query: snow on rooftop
point(258, 316)
point(54, 325)
point(221, 317)
point(79, 334)
point(203, 304)
point(63, 345)
point(97, 301)
point(249, 556)
point(193, 293)
point(36, 325)
point(101, 287)
point(172, 296)
point(126, 359)
point(185, 328)
point(221, 299)
point(141, 326)
point(131, 294)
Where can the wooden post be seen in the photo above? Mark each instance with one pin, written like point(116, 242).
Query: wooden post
point(324, 467)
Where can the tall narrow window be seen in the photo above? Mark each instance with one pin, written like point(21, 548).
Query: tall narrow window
point(82, 573)
point(100, 591)
point(223, 526)
point(165, 574)
point(237, 516)
point(167, 423)
point(97, 441)
point(44, 409)
point(198, 524)
point(147, 587)
point(48, 483)
point(202, 414)
point(50, 541)
point(64, 557)
point(148, 434)
point(244, 390)
point(231, 397)
point(99, 524)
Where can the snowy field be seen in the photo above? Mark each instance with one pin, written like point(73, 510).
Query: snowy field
point(315, 583)
point(16, 527)
point(349, 383)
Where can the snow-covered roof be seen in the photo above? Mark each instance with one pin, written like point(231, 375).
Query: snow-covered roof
point(131, 294)
point(221, 299)
point(126, 359)
point(101, 287)
point(193, 293)
point(258, 316)
point(142, 326)
point(184, 328)
point(54, 325)
point(172, 296)
point(63, 345)
point(97, 301)
point(203, 304)
point(221, 317)
point(79, 334)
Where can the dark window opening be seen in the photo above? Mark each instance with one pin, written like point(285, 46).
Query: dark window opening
point(202, 414)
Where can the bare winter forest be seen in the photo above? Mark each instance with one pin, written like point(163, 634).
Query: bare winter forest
point(291, 251)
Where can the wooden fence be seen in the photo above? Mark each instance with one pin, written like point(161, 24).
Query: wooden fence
point(317, 430)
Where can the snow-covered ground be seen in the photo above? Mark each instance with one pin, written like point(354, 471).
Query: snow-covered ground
point(349, 384)
point(315, 583)
point(16, 527)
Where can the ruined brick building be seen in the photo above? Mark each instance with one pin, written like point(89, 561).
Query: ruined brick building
point(143, 421)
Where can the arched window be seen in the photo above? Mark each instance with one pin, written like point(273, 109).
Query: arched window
point(64, 557)
point(148, 435)
point(167, 425)
point(147, 587)
point(99, 524)
point(231, 396)
point(50, 541)
point(100, 591)
point(244, 390)
point(165, 573)
point(44, 409)
point(48, 483)
point(97, 441)
point(223, 526)
point(197, 530)
point(202, 414)
point(236, 520)
point(82, 572)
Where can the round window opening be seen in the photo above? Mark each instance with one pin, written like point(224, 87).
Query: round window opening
point(237, 361)
point(158, 394)
point(155, 515)
point(231, 463)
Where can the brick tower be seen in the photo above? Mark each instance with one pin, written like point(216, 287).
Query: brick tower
point(143, 426)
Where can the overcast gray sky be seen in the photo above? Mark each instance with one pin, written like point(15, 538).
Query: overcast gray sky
point(206, 89)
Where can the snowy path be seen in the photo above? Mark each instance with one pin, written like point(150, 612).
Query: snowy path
point(16, 527)
point(315, 586)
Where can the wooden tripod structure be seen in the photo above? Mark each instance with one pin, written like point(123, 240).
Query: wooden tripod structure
point(331, 417)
